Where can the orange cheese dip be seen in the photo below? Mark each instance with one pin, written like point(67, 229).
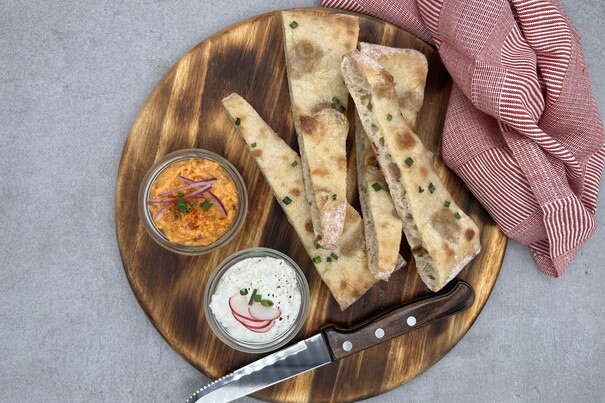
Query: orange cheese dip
point(203, 222)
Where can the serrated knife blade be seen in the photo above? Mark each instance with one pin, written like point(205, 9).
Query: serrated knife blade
point(294, 360)
point(333, 343)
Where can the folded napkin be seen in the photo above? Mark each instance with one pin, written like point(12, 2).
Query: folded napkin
point(522, 128)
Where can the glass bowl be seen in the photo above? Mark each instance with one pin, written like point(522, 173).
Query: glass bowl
point(240, 271)
point(147, 217)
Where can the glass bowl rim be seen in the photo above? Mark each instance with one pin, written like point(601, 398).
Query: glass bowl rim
point(269, 345)
point(183, 154)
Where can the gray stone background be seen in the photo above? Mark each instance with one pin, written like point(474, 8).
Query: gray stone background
point(73, 75)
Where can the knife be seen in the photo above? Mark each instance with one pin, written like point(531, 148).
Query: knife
point(333, 343)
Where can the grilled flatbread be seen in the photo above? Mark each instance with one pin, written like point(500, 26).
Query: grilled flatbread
point(409, 69)
point(381, 222)
point(345, 269)
point(314, 47)
point(442, 237)
point(383, 233)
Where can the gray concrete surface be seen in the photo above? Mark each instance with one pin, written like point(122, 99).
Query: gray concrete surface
point(73, 75)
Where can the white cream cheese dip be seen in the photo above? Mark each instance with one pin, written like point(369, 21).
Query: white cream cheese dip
point(274, 280)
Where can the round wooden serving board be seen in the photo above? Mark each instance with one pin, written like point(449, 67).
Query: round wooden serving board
point(183, 111)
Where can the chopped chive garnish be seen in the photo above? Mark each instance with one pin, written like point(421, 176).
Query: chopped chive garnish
point(342, 109)
point(294, 163)
point(293, 24)
point(334, 256)
point(317, 245)
point(389, 117)
point(287, 200)
point(409, 161)
point(377, 186)
point(420, 189)
point(457, 215)
point(317, 259)
point(334, 196)
point(238, 121)
point(205, 205)
point(253, 297)
point(243, 291)
point(333, 105)
point(253, 145)
point(335, 100)
point(182, 206)
point(446, 203)
point(266, 302)
point(329, 259)
point(431, 187)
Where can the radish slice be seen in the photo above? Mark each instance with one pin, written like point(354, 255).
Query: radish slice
point(251, 324)
point(250, 321)
point(262, 329)
point(254, 322)
point(219, 205)
point(239, 307)
point(259, 312)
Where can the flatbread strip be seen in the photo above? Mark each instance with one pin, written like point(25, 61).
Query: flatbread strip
point(442, 237)
point(383, 234)
point(347, 275)
point(381, 223)
point(314, 47)
point(409, 69)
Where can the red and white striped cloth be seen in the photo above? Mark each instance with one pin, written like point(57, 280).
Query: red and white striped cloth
point(522, 127)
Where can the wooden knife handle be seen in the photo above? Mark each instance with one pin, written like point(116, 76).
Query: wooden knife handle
point(398, 320)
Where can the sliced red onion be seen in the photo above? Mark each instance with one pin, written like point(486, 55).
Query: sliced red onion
point(191, 184)
point(219, 204)
point(203, 189)
point(160, 201)
point(163, 211)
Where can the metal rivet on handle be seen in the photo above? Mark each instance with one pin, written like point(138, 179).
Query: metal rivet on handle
point(379, 333)
point(347, 346)
point(411, 321)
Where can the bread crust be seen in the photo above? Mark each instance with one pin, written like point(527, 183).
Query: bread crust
point(383, 234)
point(314, 47)
point(442, 237)
point(348, 276)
